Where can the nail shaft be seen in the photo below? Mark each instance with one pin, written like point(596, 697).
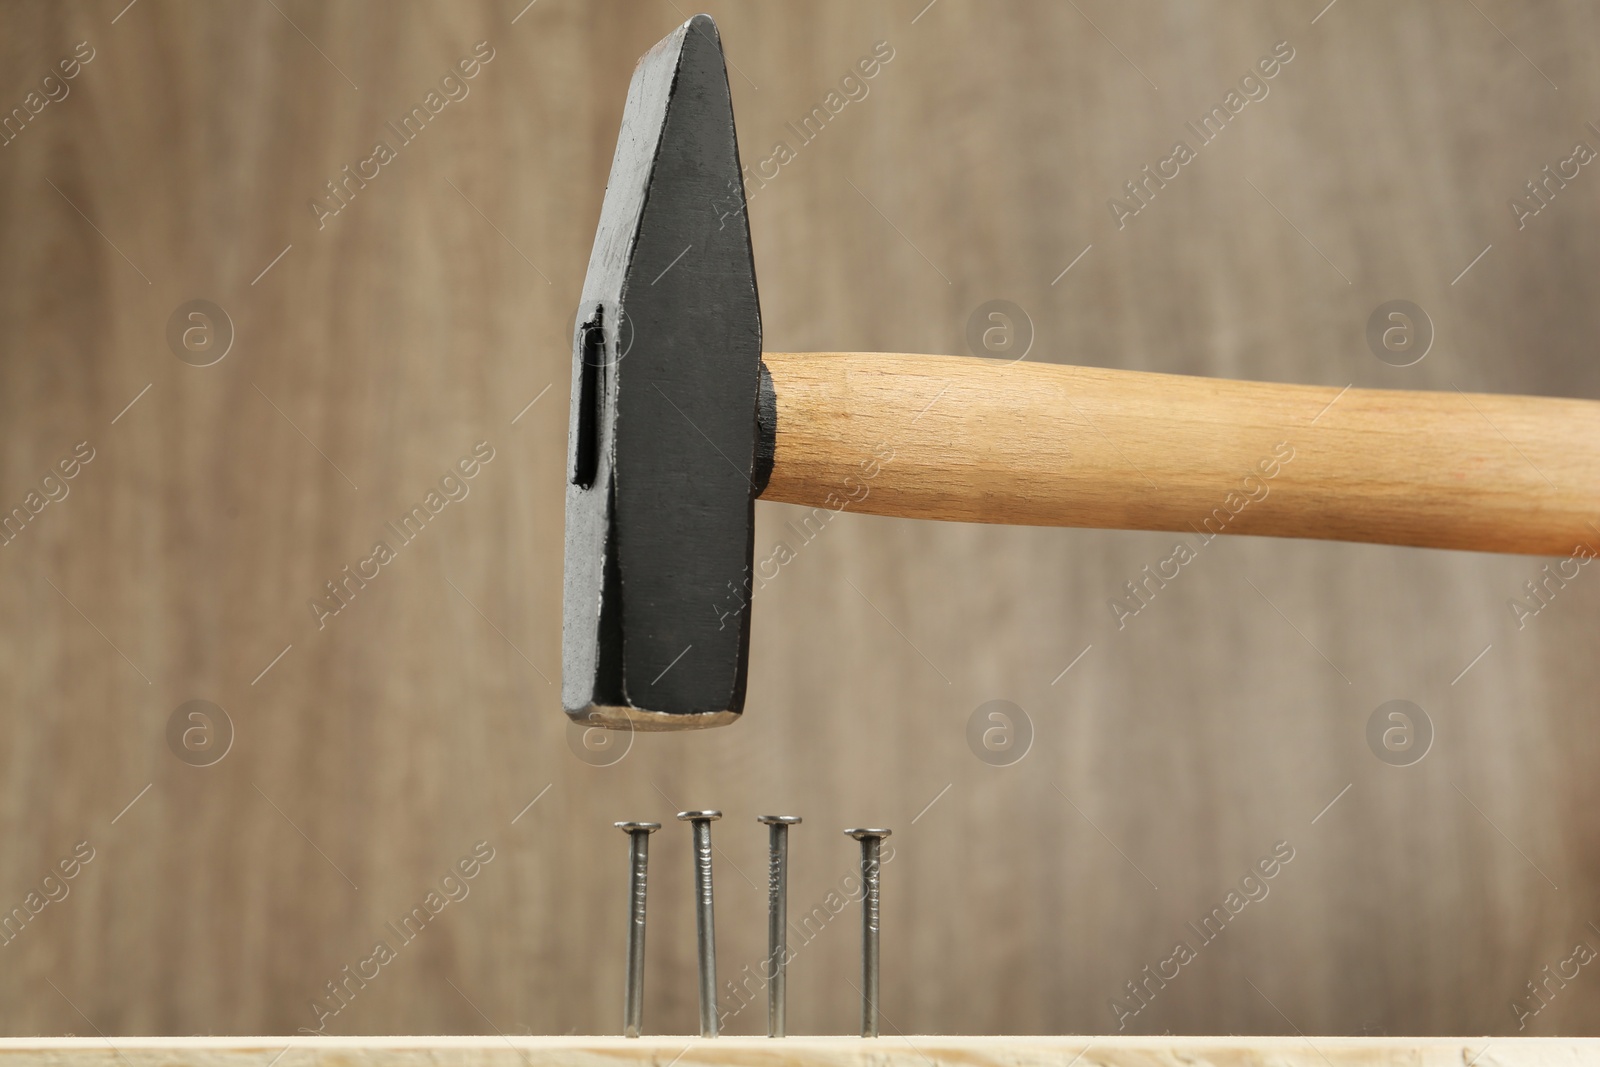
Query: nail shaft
point(777, 918)
point(704, 916)
point(638, 867)
point(871, 853)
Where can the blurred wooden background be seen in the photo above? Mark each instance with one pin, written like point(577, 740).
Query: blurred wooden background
point(374, 351)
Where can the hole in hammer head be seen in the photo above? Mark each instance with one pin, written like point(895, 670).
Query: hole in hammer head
point(591, 395)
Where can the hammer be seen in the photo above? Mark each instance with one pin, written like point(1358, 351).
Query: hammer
point(679, 422)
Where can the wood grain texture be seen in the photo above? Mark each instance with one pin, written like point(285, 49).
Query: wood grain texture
point(1171, 751)
point(971, 440)
point(899, 1051)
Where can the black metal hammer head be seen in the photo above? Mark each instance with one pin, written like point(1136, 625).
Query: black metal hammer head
point(666, 370)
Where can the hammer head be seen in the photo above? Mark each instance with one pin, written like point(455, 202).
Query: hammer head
point(663, 440)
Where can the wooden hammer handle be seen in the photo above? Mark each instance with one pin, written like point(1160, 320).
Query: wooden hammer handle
point(977, 440)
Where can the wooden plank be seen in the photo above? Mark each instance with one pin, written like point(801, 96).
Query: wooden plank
point(915, 1051)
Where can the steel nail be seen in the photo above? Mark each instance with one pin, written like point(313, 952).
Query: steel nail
point(704, 916)
point(777, 916)
point(871, 850)
point(638, 864)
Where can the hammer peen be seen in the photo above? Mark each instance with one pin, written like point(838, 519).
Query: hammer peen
point(679, 422)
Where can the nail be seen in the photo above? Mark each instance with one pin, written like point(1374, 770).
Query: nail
point(704, 917)
point(777, 915)
point(638, 863)
point(871, 848)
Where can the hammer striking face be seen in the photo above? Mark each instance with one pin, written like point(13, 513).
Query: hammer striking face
point(679, 422)
point(665, 372)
